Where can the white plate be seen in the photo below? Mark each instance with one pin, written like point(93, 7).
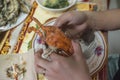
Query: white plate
point(20, 19)
point(95, 53)
point(71, 3)
point(22, 16)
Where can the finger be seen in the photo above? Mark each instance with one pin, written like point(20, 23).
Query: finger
point(81, 27)
point(78, 55)
point(55, 56)
point(71, 33)
point(76, 46)
point(41, 62)
point(39, 69)
point(62, 20)
point(39, 52)
point(77, 50)
point(38, 55)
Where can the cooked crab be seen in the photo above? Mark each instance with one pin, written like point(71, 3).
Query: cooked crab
point(53, 39)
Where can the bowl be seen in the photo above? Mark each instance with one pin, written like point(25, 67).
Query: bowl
point(71, 3)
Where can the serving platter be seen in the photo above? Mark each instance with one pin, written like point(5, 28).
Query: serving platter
point(95, 53)
point(20, 19)
point(13, 15)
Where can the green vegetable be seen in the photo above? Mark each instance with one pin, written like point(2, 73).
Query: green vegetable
point(55, 3)
point(30, 45)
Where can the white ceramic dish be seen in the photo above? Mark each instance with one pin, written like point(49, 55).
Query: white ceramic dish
point(71, 3)
point(22, 16)
point(20, 19)
point(95, 53)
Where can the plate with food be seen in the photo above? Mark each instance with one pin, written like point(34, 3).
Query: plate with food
point(56, 5)
point(13, 12)
point(95, 53)
point(17, 66)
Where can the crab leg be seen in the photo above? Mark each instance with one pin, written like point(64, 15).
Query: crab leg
point(47, 52)
point(35, 30)
point(40, 27)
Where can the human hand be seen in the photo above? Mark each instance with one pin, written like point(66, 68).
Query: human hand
point(73, 22)
point(63, 68)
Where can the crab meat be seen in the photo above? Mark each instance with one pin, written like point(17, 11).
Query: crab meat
point(54, 40)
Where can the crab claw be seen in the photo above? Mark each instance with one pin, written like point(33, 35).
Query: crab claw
point(55, 40)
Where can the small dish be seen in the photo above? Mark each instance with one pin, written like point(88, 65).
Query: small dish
point(71, 3)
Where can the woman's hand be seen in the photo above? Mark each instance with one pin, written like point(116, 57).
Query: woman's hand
point(63, 68)
point(75, 22)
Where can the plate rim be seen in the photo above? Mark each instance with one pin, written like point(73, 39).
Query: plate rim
point(104, 42)
point(8, 26)
point(104, 60)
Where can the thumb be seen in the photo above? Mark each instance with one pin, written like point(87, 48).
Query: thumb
point(38, 53)
point(78, 54)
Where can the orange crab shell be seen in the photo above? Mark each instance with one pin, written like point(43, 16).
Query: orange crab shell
point(54, 37)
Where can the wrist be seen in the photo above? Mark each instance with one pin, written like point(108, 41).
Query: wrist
point(90, 19)
point(82, 75)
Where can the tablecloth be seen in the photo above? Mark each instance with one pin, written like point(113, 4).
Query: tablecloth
point(19, 40)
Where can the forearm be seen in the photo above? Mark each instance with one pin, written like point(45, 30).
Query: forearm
point(104, 20)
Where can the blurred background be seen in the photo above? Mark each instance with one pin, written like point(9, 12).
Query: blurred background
point(114, 36)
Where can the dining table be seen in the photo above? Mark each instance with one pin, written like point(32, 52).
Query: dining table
point(20, 40)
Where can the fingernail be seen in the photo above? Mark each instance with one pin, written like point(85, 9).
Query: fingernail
point(76, 41)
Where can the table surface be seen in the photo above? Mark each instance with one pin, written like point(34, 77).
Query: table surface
point(21, 45)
